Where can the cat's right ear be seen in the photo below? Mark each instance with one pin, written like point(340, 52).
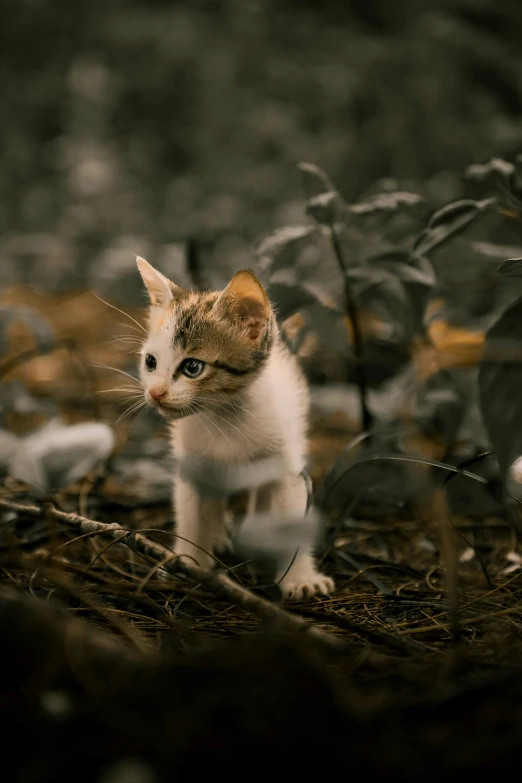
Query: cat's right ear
point(161, 290)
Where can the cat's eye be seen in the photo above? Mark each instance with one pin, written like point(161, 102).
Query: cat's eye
point(192, 368)
point(150, 362)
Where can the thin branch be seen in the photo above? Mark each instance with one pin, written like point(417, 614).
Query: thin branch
point(219, 582)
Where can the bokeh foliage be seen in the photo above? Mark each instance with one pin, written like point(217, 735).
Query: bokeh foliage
point(128, 125)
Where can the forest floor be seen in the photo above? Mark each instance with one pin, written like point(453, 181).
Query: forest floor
point(410, 631)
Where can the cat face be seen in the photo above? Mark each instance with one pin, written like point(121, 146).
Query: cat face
point(202, 348)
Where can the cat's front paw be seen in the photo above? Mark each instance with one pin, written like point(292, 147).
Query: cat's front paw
point(194, 556)
point(301, 587)
point(222, 544)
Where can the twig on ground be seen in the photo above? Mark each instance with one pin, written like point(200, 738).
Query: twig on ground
point(220, 583)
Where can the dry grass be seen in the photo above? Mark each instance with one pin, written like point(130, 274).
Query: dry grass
point(391, 583)
point(390, 577)
point(412, 631)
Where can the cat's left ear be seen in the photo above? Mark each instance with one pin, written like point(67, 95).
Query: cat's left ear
point(245, 301)
point(161, 290)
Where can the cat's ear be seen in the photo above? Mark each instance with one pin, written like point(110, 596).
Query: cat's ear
point(161, 290)
point(245, 302)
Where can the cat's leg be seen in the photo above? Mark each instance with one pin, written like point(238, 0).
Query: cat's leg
point(194, 536)
point(301, 579)
point(251, 506)
point(213, 515)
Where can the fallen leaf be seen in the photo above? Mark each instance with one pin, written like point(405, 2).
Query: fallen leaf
point(58, 455)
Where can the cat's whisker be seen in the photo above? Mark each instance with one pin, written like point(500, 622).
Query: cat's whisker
point(133, 409)
point(140, 415)
point(238, 407)
point(231, 404)
point(136, 351)
point(134, 405)
point(120, 403)
point(203, 423)
point(124, 338)
point(125, 402)
point(137, 420)
point(225, 421)
point(136, 333)
point(133, 389)
point(211, 421)
point(136, 343)
point(116, 369)
point(140, 326)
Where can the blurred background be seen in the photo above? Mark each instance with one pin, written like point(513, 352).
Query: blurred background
point(128, 125)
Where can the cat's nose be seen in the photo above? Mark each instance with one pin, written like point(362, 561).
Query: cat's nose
point(157, 392)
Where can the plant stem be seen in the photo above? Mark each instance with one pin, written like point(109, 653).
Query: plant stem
point(193, 261)
point(351, 311)
point(450, 561)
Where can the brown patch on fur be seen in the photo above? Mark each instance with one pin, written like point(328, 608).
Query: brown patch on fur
point(244, 300)
point(211, 327)
point(245, 286)
point(232, 331)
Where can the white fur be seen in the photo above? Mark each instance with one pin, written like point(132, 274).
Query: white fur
point(271, 421)
point(266, 420)
point(514, 479)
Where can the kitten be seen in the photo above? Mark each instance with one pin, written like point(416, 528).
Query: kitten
point(215, 367)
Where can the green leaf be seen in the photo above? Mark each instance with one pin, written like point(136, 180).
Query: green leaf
point(449, 221)
point(386, 202)
point(324, 203)
point(440, 409)
point(512, 267)
point(416, 275)
point(500, 384)
point(382, 292)
point(379, 487)
point(315, 181)
point(494, 167)
point(288, 299)
point(281, 247)
point(325, 208)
